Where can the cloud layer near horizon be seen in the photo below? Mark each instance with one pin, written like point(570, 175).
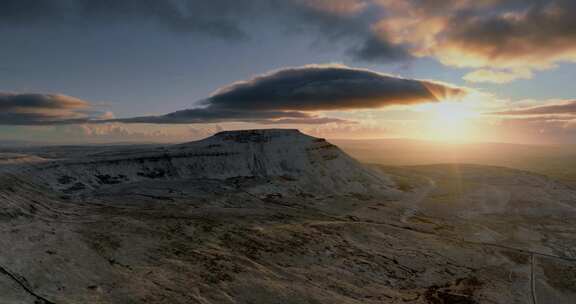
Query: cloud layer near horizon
point(292, 95)
point(562, 108)
point(553, 121)
point(286, 96)
point(45, 109)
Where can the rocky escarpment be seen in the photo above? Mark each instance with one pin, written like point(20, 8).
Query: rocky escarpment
point(278, 159)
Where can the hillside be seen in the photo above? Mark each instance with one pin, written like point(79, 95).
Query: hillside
point(276, 216)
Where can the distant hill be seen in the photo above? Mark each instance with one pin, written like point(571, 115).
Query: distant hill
point(558, 161)
point(284, 159)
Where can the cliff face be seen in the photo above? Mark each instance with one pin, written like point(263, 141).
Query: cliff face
point(277, 156)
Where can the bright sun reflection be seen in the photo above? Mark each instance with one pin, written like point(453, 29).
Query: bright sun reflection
point(449, 121)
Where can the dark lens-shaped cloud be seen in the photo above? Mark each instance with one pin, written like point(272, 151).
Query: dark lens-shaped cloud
point(322, 88)
point(44, 109)
point(292, 95)
point(22, 102)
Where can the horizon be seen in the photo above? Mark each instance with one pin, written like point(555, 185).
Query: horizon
point(17, 143)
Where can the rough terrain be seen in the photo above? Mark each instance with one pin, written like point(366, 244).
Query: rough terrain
point(276, 216)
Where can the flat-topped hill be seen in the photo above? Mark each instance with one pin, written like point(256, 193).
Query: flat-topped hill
point(283, 157)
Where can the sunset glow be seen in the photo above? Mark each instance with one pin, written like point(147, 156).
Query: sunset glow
point(448, 121)
point(350, 69)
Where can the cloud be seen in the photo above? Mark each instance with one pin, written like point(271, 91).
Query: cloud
point(344, 23)
point(500, 77)
point(515, 33)
point(286, 96)
point(104, 133)
point(295, 95)
point(328, 87)
point(356, 131)
point(309, 121)
point(539, 129)
point(552, 121)
point(209, 115)
point(505, 39)
point(45, 109)
point(563, 108)
point(375, 49)
point(217, 17)
point(336, 7)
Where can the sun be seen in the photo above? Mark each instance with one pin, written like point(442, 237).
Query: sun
point(452, 112)
point(450, 121)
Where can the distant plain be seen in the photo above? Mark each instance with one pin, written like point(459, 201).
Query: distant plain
point(557, 161)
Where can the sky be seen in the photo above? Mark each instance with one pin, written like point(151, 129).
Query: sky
point(91, 71)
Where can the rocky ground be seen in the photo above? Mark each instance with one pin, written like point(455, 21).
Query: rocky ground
point(438, 234)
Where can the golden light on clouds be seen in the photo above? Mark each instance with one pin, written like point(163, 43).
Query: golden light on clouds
point(503, 43)
point(500, 77)
point(337, 7)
